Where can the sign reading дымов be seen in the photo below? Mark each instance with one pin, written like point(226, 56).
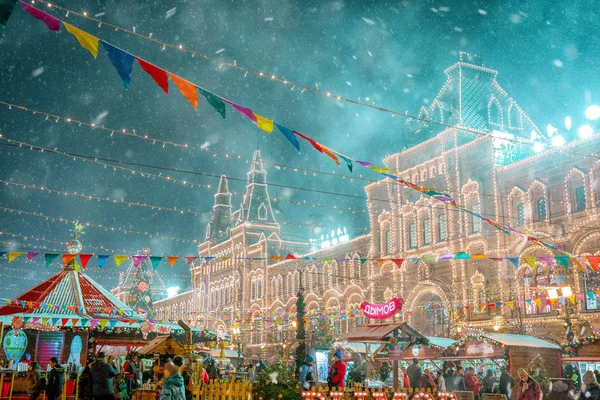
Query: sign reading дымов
point(380, 311)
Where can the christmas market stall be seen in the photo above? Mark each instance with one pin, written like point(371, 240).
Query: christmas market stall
point(486, 350)
point(385, 337)
point(428, 351)
point(580, 355)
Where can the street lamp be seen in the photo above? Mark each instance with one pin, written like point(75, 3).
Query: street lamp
point(236, 331)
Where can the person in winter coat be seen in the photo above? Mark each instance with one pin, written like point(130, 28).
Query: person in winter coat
point(506, 384)
point(473, 383)
point(129, 373)
point(406, 379)
point(440, 382)
point(337, 372)
point(84, 388)
point(528, 389)
point(173, 388)
point(458, 380)
point(56, 380)
point(560, 391)
point(102, 378)
point(590, 389)
point(34, 377)
point(488, 382)
point(414, 374)
point(427, 380)
point(305, 374)
point(188, 380)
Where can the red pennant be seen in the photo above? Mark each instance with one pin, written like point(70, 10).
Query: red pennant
point(65, 321)
point(316, 145)
point(467, 308)
point(84, 258)
point(398, 262)
point(594, 262)
point(159, 75)
point(190, 259)
point(291, 257)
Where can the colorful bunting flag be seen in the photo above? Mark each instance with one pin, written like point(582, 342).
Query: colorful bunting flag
point(263, 123)
point(347, 160)
point(158, 75)
point(563, 261)
point(137, 260)
point(462, 256)
point(155, 260)
point(530, 261)
point(328, 151)
point(514, 261)
point(379, 261)
point(49, 257)
point(119, 260)
point(84, 258)
point(246, 112)
point(67, 258)
point(87, 41)
point(51, 22)
point(172, 260)
point(102, 260)
point(13, 255)
point(594, 262)
point(190, 259)
point(314, 144)
point(215, 101)
point(398, 262)
point(122, 61)
point(289, 135)
point(31, 255)
point(187, 89)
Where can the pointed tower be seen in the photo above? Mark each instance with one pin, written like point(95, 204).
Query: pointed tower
point(256, 205)
point(220, 221)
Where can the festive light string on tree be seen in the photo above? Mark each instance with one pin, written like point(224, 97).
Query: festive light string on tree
point(123, 62)
point(274, 78)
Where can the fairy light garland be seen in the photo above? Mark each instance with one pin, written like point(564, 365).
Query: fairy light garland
point(570, 348)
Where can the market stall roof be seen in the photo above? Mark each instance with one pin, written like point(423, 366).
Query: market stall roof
point(521, 341)
point(228, 353)
point(162, 345)
point(70, 294)
point(379, 333)
point(441, 341)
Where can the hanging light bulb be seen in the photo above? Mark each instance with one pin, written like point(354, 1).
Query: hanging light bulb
point(592, 112)
point(550, 130)
point(568, 123)
point(585, 131)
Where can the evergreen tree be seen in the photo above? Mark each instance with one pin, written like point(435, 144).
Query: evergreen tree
point(140, 294)
point(324, 333)
point(537, 371)
point(301, 330)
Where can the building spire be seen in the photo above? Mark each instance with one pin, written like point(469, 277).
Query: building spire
point(220, 220)
point(256, 204)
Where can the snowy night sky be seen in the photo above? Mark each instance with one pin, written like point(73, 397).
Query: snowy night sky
point(390, 53)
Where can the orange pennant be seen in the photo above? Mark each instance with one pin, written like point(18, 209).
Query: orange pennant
point(67, 258)
point(172, 260)
point(187, 89)
point(380, 261)
point(330, 154)
point(594, 262)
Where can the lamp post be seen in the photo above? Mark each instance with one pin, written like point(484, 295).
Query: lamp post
point(237, 333)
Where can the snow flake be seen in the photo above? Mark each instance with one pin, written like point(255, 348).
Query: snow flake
point(348, 83)
point(557, 63)
point(368, 21)
point(100, 117)
point(515, 19)
point(37, 72)
point(370, 54)
point(219, 51)
point(482, 11)
point(171, 12)
point(99, 15)
point(268, 19)
point(458, 29)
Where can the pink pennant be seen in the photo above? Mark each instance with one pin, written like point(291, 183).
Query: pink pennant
point(137, 260)
point(246, 112)
point(31, 255)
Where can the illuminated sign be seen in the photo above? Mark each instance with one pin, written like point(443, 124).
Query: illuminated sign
point(380, 311)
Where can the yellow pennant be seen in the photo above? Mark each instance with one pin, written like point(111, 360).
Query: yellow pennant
point(530, 261)
point(379, 261)
point(13, 255)
point(103, 323)
point(87, 41)
point(478, 256)
point(264, 123)
point(45, 321)
point(538, 301)
point(119, 260)
point(510, 304)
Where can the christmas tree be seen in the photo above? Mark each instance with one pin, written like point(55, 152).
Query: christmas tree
point(140, 294)
point(324, 333)
point(301, 330)
point(537, 371)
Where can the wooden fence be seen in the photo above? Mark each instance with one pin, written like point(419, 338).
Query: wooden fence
point(216, 390)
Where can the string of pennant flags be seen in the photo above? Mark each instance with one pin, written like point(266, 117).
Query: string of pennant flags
point(532, 261)
point(123, 62)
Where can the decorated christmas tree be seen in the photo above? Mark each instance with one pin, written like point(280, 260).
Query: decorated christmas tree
point(537, 371)
point(140, 293)
point(324, 333)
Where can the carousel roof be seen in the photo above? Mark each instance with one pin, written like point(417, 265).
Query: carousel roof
point(69, 294)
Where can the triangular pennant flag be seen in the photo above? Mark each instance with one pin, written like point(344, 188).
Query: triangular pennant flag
point(155, 260)
point(54, 321)
point(558, 279)
point(462, 256)
point(594, 262)
point(289, 135)
point(531, 261)
point(6, 9)
point(64, 321)
point(562, 300)
point(102, 260)
point(538, 302)
point(137, 260)
point(398, 262)
point(119, 260)
point(328, 151)
point(190, 259)
point(590, 294)
point(363, 260)
point(291, 257)
point(379, 261)
point(478, 257)
point(546, 260)
point(51, 22)
point(13, 255)
point(26, 319)
point(172, 260)
point(215, 101)
point(67, 258)
point(263, 123)
point(31, 255)
point(113, 323)
point(187, 89)
point(347, 160)
point(314, 144)
point(76, 264)
point(84, 322)
point(246, 112)
point(563, 261)
point(49, 257)
point(158, 75)
point(93, 323)
point(84, 258)
point(103, 323)
point(122, 61)
point(74, 321)
point(447, 256)
point(514, 261)
point(87, 41)
point(45, 320)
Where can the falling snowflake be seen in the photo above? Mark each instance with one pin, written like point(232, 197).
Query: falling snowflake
point(368, 21)
point(482, 12)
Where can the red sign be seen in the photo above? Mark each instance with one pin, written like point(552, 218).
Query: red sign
point(380, 311)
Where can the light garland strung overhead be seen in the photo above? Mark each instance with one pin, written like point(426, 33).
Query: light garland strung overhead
point(123, 63)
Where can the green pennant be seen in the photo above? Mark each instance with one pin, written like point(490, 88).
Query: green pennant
point(563, 261)
point(155, 260)
point(347, 160)
point(6, 9)
point(215, 101)
point(49, 257)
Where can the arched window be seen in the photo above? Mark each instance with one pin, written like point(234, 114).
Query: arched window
point(262, 212)
point(576, 190)
point(541, 211)
point(514, 117)
point(412, 236)
point(442, 227)
point(494, 112)
point(520, 213)
point(426, 231)
point(389, 243)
